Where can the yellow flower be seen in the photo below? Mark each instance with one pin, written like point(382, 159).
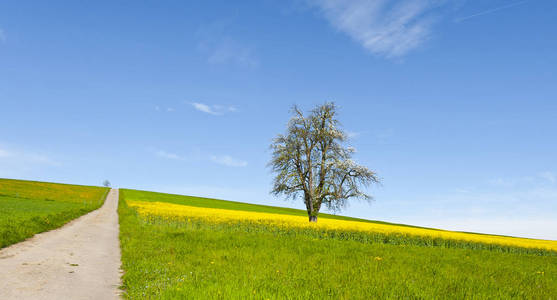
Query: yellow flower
point(378, 258)
point(217, 215)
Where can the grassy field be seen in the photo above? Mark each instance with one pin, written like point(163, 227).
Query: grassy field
point(195, 248)
point(28, 207)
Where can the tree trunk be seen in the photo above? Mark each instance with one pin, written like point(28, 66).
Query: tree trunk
point(312, 218)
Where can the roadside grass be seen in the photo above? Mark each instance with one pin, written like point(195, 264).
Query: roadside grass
point(29, 207)
point(198, 258)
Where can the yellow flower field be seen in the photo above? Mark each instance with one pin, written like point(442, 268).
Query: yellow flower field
point(218, 215)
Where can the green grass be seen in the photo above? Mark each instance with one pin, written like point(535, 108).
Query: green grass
point(28, 207)
point(189, 259)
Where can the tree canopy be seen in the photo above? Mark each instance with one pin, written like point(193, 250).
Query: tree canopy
point(312, 160)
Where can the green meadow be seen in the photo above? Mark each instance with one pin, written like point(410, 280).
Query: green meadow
point(185, 258)
point(28, 207)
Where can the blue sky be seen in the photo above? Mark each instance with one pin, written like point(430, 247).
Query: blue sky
point(453, 103)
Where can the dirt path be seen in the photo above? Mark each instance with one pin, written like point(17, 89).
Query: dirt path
point(81, 260)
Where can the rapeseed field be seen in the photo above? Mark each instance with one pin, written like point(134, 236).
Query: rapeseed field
point(193, 248)
point(286, 222)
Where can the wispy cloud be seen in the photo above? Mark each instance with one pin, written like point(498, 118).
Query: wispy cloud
point(168, 155)
point(489, 11)
point(2, 36)
point(228, 161)
point(382, 27)
point(216, 110)
point(204, 108)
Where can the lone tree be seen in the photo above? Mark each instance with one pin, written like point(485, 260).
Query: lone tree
point(312, 159)
point(106, 183)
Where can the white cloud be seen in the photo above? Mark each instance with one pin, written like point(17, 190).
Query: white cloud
point(2, 36)
point(384, 28)
point(204, 108)
point(216, 110)
point(170, 109)
point(168, 155)
point(228, 161)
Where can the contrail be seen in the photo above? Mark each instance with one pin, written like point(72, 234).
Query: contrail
point(490, 11)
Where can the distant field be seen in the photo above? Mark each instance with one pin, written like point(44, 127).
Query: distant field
point(177, 246)
point(28, 207)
